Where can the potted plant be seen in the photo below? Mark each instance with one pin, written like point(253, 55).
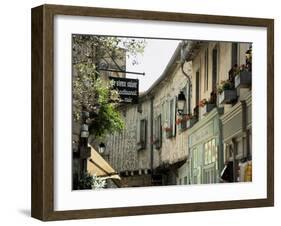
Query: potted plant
point(179, 121)
point(206, 106)
point(168, 131)
point(190, 120)
point(226, 91)
point(243, 77)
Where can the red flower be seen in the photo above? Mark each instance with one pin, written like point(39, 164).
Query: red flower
point(167, 129)
point(179, 120)
point(203, 102)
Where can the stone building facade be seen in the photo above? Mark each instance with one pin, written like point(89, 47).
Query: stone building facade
point(220, 121)
point(152, 146)
point(159, 146)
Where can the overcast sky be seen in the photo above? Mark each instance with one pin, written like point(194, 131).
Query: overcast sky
point(156, 56)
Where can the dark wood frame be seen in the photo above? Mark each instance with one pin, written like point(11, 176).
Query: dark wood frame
point(42, 112)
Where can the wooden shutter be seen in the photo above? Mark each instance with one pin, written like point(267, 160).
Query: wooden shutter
point(143, 133)
point(155, 132)
point(160, 130)
point(138, 132)
point(174, 115)
point(171, 113)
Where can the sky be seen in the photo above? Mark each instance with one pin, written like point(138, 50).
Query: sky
point(152, 62)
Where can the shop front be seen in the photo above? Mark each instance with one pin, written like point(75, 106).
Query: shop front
point(237, 140)
point(204, 146)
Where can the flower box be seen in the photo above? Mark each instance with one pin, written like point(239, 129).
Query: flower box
point(183, 125)
point(243, 79)
point(227, 96)
point(169, 132)
point(158, 144)
point(207, 108)
point(190, 122)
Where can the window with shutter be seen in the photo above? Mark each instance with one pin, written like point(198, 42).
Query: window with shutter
point(174, 116)
point(138, 132)
point(158, 132)
point(206, 80)
point(169, 118)
point(142, 134)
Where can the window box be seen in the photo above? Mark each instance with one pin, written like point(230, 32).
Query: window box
point(183, 125)
point(157, 144)
point(227, 96)
point(190, 122)
point(207, 108)
point(169, 132)
point(243, 79)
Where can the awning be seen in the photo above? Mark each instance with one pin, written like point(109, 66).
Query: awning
point(98, 166)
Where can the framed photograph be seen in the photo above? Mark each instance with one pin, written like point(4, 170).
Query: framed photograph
point(141, 112)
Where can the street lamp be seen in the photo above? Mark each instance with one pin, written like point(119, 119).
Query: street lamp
point(84, 131)
point(181, 102)
point(102, 148)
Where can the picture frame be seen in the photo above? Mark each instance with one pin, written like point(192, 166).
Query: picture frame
point(42, 189)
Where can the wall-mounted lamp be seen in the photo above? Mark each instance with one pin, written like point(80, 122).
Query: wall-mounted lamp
point(181, 102)
point(102, 148)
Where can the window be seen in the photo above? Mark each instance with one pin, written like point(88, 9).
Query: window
point(214, 69)
point(158, 132)
point(139, 108)
point(172, 115)
point(206, 80)
point(209, 176)
point(195, 158)
point(214, 150)
point(141, 134)
point(163, 113)
point(234, 54)
point(171, 131)
point(197, 88)
point(210, 152)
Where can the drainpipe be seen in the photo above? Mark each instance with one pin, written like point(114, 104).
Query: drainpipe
point(185, 51)
point(189, 88)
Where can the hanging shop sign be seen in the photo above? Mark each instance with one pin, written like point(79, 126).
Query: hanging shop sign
point(127, 88)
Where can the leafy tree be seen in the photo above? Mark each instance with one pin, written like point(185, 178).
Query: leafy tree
point(92, 91)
